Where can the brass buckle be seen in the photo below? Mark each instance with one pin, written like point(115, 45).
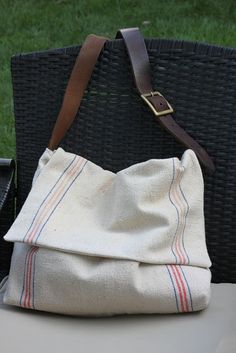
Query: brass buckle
point(156, 93)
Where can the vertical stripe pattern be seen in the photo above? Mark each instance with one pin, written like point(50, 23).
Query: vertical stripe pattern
point(53, 198)
point(27, 294)
point(180, 203)
point(181, 288)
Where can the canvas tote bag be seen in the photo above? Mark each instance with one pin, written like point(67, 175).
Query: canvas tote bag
point(92, 242)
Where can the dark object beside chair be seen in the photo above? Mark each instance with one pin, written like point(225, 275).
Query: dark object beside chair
point(115, 129)
point(7, 211)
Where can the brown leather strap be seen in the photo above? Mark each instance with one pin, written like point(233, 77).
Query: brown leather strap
point(138, 55)
point(80, 76)
point(142, 75)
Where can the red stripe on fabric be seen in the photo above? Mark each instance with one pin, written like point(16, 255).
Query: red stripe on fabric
point(43, 213)
point(28, 279)
point(26, 270)
point(31, 279)
point(183, 287)
point(179, 288)
point(27, 299)
point(53, 199)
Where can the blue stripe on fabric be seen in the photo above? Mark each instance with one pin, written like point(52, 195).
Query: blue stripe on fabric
point(172, 246)
point(177, 305)
point(59, 201)
point(46, 197)
point(189, 291)
point(34, 278)
point(23, 287)
point(185, 221)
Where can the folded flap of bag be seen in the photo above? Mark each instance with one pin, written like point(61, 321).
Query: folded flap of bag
point(151, 212)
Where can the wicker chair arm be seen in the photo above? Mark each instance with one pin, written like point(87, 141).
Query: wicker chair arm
point(7, 211)
point(7, 171)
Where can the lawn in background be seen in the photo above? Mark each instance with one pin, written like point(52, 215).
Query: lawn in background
point(32, 25)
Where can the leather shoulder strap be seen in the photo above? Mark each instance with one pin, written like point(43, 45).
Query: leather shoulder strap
point(138, 55)
point(79, 79)
point(142, 75)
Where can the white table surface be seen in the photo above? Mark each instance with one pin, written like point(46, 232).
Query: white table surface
point(210, 331)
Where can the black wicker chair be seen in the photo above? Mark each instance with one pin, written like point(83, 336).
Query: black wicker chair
point(115, 129)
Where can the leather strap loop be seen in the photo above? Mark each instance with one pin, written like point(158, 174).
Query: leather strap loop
point(142, 75)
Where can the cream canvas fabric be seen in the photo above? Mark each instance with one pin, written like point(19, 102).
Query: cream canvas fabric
point(92, 242)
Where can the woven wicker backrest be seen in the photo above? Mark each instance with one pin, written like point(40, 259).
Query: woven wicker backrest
point(115, 129)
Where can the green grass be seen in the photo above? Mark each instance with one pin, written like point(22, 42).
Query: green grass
point(42, 24)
